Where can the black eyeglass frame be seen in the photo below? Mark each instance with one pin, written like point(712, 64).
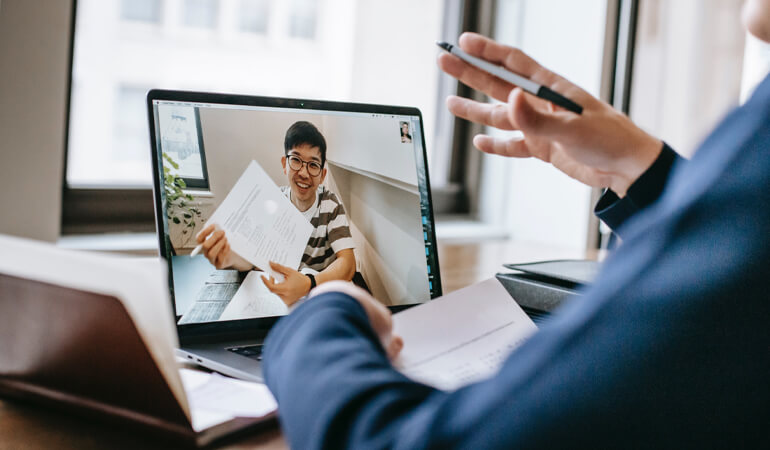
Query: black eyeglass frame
point(289, 158)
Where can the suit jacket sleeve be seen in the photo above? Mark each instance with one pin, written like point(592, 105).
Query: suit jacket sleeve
point(668, 348)
point(615, 211)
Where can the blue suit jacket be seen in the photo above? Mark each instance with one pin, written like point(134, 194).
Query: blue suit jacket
point(669, 348)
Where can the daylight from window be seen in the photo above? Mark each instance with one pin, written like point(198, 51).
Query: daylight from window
point(326, 49)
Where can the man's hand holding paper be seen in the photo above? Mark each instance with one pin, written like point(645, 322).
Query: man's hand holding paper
point(217, 250)
point(255, 225)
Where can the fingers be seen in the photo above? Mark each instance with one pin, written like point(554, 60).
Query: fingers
point(214, 245)
point(473, 77)
point(512, 147)
point(536, 121)
point(511, 58)
point(270, 284)
point(394, 347)
point(218, 253)
point(494, 115)
point(502, 55)
point(201, 236)
point(209, 243)
point(283, 270)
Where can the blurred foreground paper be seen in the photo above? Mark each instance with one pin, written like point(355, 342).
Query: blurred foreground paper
point(461, 337)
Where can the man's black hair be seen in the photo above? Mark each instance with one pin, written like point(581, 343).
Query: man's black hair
point(303, 132)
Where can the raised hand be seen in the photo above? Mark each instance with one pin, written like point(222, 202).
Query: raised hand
point(600, 147)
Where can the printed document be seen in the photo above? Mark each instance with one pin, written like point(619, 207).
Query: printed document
point(261, 224)
point(461, 337)
point(253, 300)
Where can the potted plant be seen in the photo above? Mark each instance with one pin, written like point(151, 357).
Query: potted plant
point(180, 211)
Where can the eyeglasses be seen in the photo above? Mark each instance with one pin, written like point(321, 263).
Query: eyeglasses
point(313, 167)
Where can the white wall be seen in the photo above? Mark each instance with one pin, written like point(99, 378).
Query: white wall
point(386, 227)
point(34, 65)
point(233, 138)
point(396, 64)
point(371, 144)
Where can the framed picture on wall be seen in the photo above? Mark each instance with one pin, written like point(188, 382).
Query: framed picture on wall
point(182, 142)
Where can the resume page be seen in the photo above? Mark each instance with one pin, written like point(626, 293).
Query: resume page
point(261, 224)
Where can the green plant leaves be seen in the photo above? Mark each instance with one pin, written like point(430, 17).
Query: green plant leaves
point(180, 210)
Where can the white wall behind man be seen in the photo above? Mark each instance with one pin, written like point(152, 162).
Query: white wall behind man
point(34, 66)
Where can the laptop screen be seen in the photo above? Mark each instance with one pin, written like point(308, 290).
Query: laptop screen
point(356, 173)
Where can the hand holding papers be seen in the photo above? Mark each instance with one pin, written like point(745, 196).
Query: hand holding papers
point(254, 299)
point(461, 337)
point(260, 223)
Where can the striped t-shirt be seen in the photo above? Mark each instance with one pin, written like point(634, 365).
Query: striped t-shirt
point(331, 232)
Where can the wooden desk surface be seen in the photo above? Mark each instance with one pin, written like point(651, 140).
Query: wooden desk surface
point(27, 426)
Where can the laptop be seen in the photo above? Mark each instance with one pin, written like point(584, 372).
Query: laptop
point(374, 169)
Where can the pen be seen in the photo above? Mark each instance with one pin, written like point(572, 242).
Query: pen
point(504, 74)
point(199, 247)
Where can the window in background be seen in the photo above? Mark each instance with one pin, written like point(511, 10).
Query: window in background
point(128, 127)
point(200, 13)
point(526, 199)
point(687, 68)
point(353, 56)
point(254, 16)
point(302, 21)
point(141, 10)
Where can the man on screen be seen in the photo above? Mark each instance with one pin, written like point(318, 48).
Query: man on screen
point(329, 251)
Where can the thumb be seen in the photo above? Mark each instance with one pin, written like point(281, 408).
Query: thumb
point(530, 118)
point(394, 347)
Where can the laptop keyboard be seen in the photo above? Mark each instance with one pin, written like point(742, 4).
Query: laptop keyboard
point(249, 351)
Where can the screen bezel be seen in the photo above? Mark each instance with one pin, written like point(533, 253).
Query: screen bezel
point(261, 325)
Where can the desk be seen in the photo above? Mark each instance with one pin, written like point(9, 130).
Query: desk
point(26, 426)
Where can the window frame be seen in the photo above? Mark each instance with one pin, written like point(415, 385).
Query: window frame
point(103, 209)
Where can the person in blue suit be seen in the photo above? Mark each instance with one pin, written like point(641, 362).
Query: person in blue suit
point(670, 347)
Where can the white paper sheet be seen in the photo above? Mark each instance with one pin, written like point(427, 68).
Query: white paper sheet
point(261, 224)
point(215, 399)
point(254, 299)
point(461, 337)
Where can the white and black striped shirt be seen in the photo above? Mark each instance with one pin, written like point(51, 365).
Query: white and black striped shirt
point(331, 231)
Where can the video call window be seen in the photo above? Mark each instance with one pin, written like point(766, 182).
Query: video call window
point(379, 182)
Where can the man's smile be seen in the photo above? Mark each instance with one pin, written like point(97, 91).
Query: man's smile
point(302, 184)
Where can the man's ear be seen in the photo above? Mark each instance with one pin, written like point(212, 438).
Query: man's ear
point(283, 163)
point(323, 175)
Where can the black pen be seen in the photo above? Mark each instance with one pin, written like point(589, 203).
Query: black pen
point(504, 74)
